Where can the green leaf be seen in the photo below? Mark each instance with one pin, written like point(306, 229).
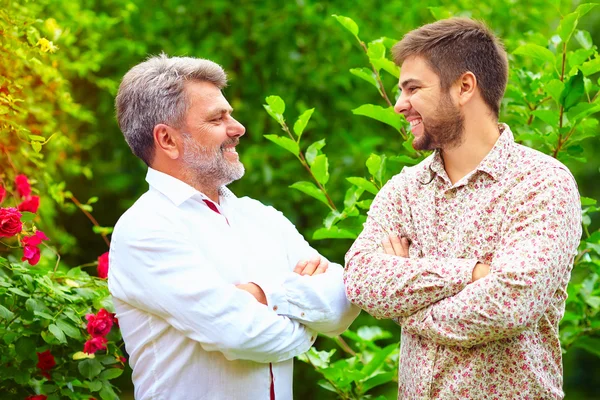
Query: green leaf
point(376, 166)
point(590, 67)
point(37, 138)
point(363, 184)
point(372, 333)
point(27, 216)
point(379, 359)
point(276, 103)
point(584, 39)
point(111, 373)
point(440, 13)
point(567, 26)
point(365, 74)
point(536, 52)
point(18, 292)
point(58, 333)
point(302, 121)
point(404, 160)
point(285, 143)
point(277, 117)
point(107, 393)
point(320, 169)
point(584, 8)
point(25, 348)
point(548, 116)
point(89, 368)
point(36, 146)
point(387, 65)
point(554, 88)
point(313, 151)
point(69, 329)
point(586, 201)
point(573, 91)
point(319, 359)
point(591, 344)
point(347, 23)
point(381, 114)
point(5, 313)
point(582, 110)
point(379, 379)
point(95, 386)
point(310, 189)
point(102, 230)
point(333, 233)
point(375, 50)
point(593, 301)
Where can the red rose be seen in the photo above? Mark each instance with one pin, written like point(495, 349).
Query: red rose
point(10, 222)
point(31, 254)
point(23, 185)
point(31, 204)
point(2, 194)
point(37, 397)
point(45, 360)
point(35, 240)
point(103, 266)
point(95, 344)
point(99, 324)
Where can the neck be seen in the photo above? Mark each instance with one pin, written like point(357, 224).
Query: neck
point(210, 190)
point(479, 138)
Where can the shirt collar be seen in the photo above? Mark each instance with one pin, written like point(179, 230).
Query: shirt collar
point(494, 163)
point(178, 191)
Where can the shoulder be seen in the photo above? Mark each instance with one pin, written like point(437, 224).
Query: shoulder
point(534, 168)
point(152, 212)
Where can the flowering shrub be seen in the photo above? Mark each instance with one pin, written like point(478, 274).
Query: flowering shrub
point(58, 336)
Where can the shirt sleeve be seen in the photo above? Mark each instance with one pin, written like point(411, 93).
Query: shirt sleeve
point(318, 301)
point(529, 273)
point(388, 286)
point(163, 273)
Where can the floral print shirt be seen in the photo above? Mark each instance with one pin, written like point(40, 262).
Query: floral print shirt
point(497, 338)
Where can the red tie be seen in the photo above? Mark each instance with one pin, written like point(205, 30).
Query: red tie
point(213, 207)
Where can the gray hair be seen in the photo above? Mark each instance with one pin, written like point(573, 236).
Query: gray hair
point(152, 93)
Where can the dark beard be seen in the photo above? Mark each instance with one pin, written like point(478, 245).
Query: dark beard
point(443, 132)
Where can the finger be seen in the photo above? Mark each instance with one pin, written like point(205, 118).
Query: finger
point(300, 266)
point(311, 266)
point(387, 246)
point(323, 265)
point(405, 246)
point(396, 245)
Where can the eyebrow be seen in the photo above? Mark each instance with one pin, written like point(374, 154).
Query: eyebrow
point(216, 112)
point(407, 82)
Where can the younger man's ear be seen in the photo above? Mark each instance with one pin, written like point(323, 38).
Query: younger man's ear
point(467, 85)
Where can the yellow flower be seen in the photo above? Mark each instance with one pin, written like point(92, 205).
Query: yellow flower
point(46, 46)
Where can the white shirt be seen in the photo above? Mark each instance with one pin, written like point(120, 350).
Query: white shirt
point(190, 333)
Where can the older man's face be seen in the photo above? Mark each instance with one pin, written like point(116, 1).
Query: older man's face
point(210, 136)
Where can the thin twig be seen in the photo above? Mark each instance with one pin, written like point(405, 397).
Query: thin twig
point(305, 164)
point(90, 217)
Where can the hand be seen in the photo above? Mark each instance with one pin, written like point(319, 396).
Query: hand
point(396, 246)
point(255, 291)
point(315, 266)
point(480, 271)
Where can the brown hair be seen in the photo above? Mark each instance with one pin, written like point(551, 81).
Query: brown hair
point(457, 45)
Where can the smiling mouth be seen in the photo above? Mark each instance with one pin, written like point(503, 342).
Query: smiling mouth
point(415, 122)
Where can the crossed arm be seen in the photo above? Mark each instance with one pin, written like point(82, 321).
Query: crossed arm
point(527, 276)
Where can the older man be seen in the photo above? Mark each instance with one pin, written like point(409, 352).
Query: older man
point(493, 227)
point(215, 294)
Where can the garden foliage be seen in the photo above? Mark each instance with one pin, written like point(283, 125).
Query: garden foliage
point(64, 165)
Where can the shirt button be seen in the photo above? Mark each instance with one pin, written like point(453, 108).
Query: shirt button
point(275, 308)
point(302, 314)
point(312, 338)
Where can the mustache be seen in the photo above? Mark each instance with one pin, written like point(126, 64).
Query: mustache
point(230, 142)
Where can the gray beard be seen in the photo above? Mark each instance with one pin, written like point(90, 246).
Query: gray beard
point(207, 167)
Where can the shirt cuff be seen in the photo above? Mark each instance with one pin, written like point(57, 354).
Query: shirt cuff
point(275, 294)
